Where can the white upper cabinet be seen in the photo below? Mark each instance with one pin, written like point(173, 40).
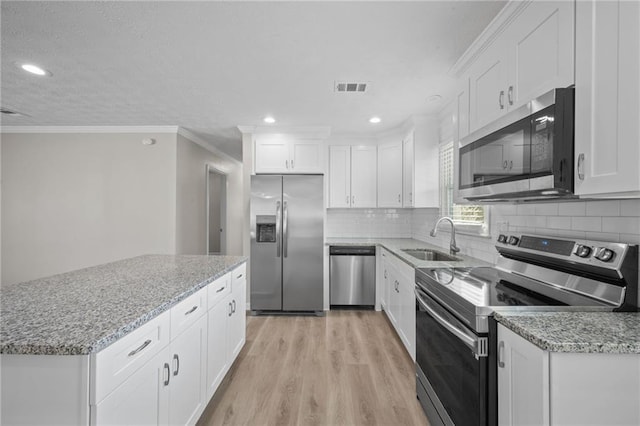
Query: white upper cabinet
point(285, 154)
point(352, 176)
point(390, 174)
point(531, 55)
point(408, 156)
point(420, 164)
point(607, 122)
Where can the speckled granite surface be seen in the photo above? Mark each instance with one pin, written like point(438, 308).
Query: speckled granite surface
point(588, 332)
point(84, 311)
point(395, 246)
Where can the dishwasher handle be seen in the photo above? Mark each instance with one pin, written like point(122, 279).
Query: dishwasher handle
point(352, 251)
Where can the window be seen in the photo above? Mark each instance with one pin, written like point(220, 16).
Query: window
point(469, 218)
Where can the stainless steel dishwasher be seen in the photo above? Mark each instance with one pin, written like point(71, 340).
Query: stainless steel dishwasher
point(352, 272)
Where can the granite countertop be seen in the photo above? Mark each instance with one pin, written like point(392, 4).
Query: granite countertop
point(82, 312)
point(585, 332)
point(395, 246)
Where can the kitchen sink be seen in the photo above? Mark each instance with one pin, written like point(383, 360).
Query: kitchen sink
point(434, 255)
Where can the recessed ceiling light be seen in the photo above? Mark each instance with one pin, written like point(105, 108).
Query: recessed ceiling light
point(34, 69)
point(434, 98)
point(374, 120)
point(269, 120)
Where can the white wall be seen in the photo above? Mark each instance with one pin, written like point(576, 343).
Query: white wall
point(191, 237)
point(74, 200)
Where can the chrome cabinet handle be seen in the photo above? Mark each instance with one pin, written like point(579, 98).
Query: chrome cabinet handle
point(168, 370)
point(385, 273)
point(239, 276)
point(581, 166)
point(233, 310)
point(229, 314)
point(504, 164)
point(510, 95)
point(510, 164)
point(410, 197)
point(286, 163)
point(285, 227)
point(347, 200)
point(501, 99)
point(176, 358)
point(353, 200)
point(399, 198)
point(501, 354)
point(278, 224)
point(192, 310)
point(139, 348)
point(292, 167)
point(220, 289)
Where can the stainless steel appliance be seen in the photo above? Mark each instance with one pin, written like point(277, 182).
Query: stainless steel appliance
point(456, 350)
point(352, 276)
point(525, 155)
point(287, 237)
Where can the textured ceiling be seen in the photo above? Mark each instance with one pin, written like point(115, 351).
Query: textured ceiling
point(210, 66)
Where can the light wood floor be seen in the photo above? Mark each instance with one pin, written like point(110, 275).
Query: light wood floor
point(347, 368)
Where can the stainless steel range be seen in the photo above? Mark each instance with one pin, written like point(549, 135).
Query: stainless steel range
point(455, 331)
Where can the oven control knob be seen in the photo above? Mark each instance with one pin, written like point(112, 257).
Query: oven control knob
point(582, 251)
point(502, 238)
point(513, 240)
point(604, 254)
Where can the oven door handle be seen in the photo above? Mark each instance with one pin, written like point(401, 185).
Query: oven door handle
point(471, 341)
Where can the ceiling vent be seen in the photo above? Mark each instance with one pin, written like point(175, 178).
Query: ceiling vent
point(5, 111)
point(351, 86)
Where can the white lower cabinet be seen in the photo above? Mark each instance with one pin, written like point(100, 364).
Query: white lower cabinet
point(538, 387)
point(143, 399)
point(399, 299)
point(187, 385)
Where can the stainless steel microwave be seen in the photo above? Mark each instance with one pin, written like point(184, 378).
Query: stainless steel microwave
point(526, 155)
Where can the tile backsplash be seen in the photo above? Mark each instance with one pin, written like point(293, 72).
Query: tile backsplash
point(607, 220)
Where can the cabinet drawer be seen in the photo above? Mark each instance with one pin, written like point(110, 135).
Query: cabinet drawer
point(239, 274)
point(218, 290)
point(114, 364)
point(188, 311)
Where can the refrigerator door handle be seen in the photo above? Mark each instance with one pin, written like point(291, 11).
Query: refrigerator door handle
point(278, 239)
point(285, 234)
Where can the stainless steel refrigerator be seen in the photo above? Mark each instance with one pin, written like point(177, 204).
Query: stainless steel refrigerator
point(287, 239)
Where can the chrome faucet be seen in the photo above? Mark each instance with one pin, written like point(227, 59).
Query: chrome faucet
point(453, 248)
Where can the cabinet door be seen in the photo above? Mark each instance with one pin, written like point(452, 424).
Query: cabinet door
point(607, 128)
point(407, 308)
point(523, 381)
point(363, 176)
point(188, 374)
point(541, 51)
point(384, 275)
point(142, 399)
point(272, 155)
point(238, 319)
point(306, 156)
point(217, 362)
point(487, 87)
point(390, 175)
point(461, 119)
point(340, 176)
point(408, 172)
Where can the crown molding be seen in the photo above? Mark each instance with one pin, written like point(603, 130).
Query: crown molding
point(206, 145)
point(88, 129)
point(486, 38)
point(320, 132)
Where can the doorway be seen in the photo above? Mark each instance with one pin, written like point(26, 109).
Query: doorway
point(216, 211)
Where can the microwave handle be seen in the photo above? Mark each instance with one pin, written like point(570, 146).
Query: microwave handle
point(464, 337)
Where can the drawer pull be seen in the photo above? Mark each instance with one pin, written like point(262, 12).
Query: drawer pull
point(239, 276)
point(192, 310)
point(139, 348)
point(220, 289)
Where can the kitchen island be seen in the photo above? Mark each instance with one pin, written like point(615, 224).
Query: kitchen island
point(77, 346)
